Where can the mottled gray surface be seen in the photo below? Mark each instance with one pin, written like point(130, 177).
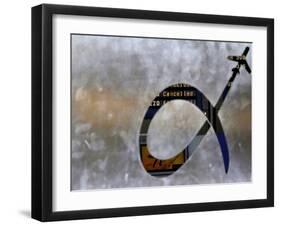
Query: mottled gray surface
point(114, 79)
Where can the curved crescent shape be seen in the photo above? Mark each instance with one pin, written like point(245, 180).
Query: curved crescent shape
point(181, 91)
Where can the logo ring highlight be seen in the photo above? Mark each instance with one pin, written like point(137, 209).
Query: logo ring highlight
point(200, 101)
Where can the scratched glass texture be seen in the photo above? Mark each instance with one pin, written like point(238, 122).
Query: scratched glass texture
point(114, 80)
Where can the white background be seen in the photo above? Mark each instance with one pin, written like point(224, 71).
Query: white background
point(15, 116)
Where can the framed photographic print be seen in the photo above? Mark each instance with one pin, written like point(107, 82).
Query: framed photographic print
point(145, 112)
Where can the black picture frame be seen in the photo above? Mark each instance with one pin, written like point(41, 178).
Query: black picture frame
point(42, 106)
